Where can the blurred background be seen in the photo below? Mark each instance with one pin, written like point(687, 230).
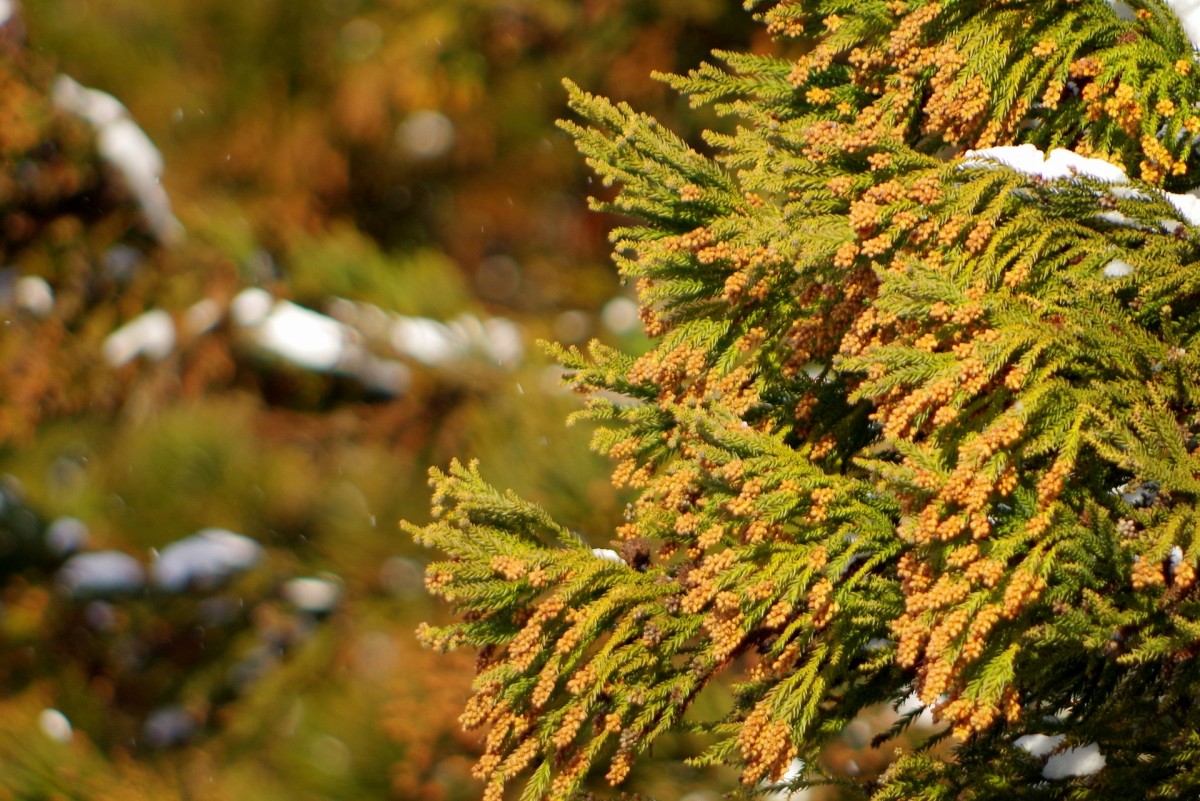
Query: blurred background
point(261, 265)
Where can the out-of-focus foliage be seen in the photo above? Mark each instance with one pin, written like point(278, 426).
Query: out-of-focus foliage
point(424, 122)
point(202, 591)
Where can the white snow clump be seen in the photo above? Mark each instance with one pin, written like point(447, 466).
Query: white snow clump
point(1118, 268)
point(1083, 760)
point(912, 703)
point(126, 148)
point(251, 306)
point(204, 560)
point(1038, 745)
point(1123, 10)
point(54, 724)
point(316, 596)
point(66, 535)
point(151, 335)
point(101, 573)
point(778, 790)
point(426, 134)
point(608, 555)
point(1060, 164)
point(1064, 164)
point(425, 340)
point(436, 344)
point(314, 341)
point(33, 294)
point(1188, 13)
point(1187, 204)
point(304, 337)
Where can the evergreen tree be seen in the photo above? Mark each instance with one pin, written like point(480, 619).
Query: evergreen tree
point(196, 600)
point(921, 417)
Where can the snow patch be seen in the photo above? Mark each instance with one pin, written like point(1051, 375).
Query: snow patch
point(1123, 10)
point(1118, 269)
point(1187, 204)
point(66, 535)
point(303, 337)
point(1174, 560)
point(1060, 164)
point(1064, 164)
point(151, 335)
point(1038, 745)
point(427, 341)
point(34, 295)
point(913, 703)
point(101, 573)
point(436, 344)
point(1118, 219)
point(204, 560)
point(431, 342)
point(1082, 761)
point(779, 791)
point(126, 148)
point(54, 724)
point(251, 306)
point(502, 340)
point(608, 555)
point(426, 134)
point(316, 596)
point(318, 342)
point(1188, 13)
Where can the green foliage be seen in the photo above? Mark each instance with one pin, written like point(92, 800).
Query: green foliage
point(921, 417)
